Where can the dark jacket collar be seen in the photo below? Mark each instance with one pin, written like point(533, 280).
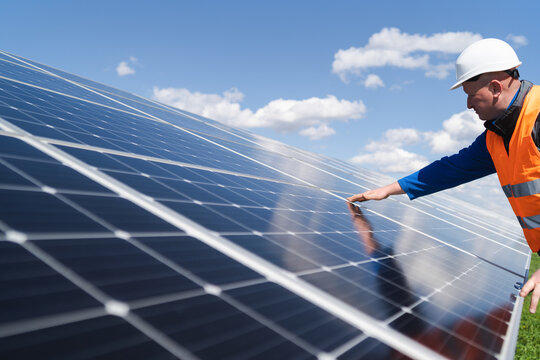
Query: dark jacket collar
point(505, 124)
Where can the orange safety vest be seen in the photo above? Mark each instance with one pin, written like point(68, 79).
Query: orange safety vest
point(519, 169)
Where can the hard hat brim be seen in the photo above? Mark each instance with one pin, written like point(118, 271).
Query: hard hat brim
point(456, 85)
point(495, 68)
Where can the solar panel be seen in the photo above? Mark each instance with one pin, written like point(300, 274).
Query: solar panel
point(131, 229)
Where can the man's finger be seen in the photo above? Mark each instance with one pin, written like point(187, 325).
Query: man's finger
point(534, 298)
point(527, 288)
point(357, 197)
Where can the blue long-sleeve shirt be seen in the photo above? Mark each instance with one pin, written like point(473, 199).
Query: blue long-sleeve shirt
point(468, 164)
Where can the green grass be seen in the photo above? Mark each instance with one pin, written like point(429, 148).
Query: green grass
point(528, 343)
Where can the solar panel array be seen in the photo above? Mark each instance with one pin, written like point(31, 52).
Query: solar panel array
point(131, 229)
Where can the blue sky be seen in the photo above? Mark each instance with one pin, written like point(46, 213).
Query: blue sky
point(358, 80)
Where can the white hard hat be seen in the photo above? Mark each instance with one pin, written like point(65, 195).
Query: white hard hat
point(483, 56)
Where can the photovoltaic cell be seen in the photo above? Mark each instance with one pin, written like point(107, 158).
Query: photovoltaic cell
point(27, 282)
point(98, 337)
point(137, 276)
point(130, 229)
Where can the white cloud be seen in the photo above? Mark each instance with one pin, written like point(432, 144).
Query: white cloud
point(289, 115)
point(457, 132)
point(309, 116)
point(233, 95)
point(392, 160)
point(440, 71)
point(224, 108)
point(390, 155)
point(373, 81)
point(319, 132)
point(391, 47)
point(395, 138)
point(517, 40)
point(124, 67)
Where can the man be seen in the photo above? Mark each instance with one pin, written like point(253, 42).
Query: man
point(487, 71)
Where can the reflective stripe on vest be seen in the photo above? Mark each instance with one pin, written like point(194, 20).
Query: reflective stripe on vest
point(529, 222)
point(524, 189)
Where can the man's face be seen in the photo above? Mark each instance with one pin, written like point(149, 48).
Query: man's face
point(480, 98)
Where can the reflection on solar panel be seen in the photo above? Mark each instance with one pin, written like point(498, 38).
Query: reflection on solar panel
point(133, 230)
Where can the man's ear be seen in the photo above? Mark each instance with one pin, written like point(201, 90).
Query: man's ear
point(496, 88)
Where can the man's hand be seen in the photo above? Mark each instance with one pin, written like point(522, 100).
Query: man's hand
point(533, 284)
point(378, 194)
